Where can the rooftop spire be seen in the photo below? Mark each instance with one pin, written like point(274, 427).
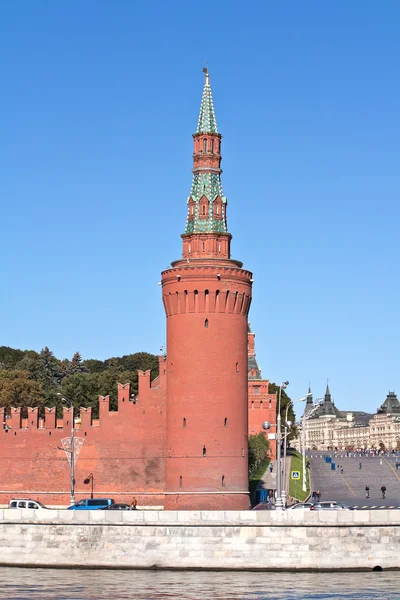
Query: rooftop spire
point(327, 393)
point(206, 210)
point(207, 122)
point(309, 395)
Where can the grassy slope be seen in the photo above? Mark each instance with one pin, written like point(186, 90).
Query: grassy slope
point(296, 486)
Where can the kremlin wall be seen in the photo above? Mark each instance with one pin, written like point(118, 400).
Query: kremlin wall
point(182, 443)
point(123, 451)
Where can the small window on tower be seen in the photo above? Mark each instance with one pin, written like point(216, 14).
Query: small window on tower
point(204, 208)
point(237, 367)
point(205, 145)
point(184, 422)
point(204, 451)
point(206, 323)
point(180, 481)
point(223, 481)
point(212, 146)
point(225, 422)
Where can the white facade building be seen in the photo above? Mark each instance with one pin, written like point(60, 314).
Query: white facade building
point(327, 428)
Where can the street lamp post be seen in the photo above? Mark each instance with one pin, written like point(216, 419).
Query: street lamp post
point(278, 502)
point(72, 448)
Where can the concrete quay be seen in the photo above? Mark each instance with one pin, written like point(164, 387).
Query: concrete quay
point(234, 540)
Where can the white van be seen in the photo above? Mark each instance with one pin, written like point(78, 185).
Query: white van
point(26, 503)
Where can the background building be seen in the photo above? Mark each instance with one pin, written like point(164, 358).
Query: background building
point(328, 428)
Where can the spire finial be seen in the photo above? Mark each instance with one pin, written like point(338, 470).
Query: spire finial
point(205, 71)
point(207, 122)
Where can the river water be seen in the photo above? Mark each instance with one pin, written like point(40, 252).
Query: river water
point(57, 584)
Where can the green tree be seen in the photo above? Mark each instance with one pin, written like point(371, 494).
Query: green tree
point(28, 362)
point(258, 450)
point(73, 366)
point(81, 381)
point(285, 400)
point(9, 357)
point(94, 366)
point(82, 389)
point(17, 389)
point(141, 361)
point(47, 372)
point(77, 365)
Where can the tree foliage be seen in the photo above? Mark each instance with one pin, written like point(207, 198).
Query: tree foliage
point(258, 450)
point(285, 400)
point(17, 389)
point(28, 378)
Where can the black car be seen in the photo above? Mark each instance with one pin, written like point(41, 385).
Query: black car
point(118, 507)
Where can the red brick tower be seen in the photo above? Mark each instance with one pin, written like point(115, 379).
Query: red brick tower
point(207, 298)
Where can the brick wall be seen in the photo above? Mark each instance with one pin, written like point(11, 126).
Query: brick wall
point(124, 451)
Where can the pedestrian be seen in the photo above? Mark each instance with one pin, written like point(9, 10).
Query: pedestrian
point(383, 490)
point(367, 491)
point(341, 470)
point(271, 468)
point(360, 465)
point(314, 496)
point(133, 503)
point(318, 495)
point(380, 462)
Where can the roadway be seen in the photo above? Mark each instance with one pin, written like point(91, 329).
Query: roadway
point(349, 486)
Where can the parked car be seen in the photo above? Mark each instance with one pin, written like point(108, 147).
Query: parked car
point(118, 507)
point(300, 506)
point(26, 503)
point(92, 504)
point(331, 505)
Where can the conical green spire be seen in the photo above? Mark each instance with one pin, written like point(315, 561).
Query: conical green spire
point(206, 183)
point(207, 122)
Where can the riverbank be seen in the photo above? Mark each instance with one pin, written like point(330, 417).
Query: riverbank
point(246, 540)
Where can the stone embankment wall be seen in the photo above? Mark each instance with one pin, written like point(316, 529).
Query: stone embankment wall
point(201, 540)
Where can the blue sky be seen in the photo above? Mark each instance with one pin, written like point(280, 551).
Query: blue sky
point(99, 101)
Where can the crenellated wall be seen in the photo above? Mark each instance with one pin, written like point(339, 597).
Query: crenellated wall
point(121, 454)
